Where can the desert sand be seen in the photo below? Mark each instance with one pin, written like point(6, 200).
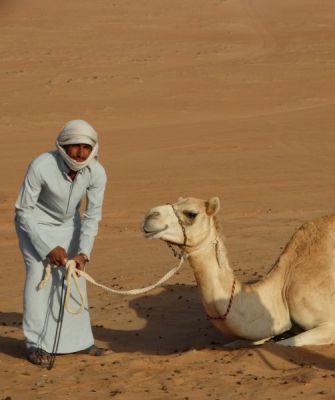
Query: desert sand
point(191, 98)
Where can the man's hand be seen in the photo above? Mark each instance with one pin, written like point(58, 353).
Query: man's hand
point(80, 260)
point(58, 256)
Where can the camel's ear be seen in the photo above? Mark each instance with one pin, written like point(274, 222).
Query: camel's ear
point(212, 206)
point(180, 199)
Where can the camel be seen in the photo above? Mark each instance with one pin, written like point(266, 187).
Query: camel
point(298, 291)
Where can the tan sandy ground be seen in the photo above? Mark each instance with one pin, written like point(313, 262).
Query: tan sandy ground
point(201, 98)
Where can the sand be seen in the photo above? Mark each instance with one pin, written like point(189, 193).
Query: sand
point(191, 98)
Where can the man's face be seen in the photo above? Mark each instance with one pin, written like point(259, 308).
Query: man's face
point(79, 152)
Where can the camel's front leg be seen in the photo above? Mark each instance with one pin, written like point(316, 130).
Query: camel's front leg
point(320, 335)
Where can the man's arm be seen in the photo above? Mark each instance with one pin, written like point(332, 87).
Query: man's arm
point(24, 207)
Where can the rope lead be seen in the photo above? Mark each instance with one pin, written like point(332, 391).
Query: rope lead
point(72, 274)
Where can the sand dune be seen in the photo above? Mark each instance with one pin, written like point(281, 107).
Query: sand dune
point(226, 98)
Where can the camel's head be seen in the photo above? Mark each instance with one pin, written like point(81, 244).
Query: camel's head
point(190, 220)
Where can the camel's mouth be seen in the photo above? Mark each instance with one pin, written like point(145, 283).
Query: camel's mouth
point(149, 234)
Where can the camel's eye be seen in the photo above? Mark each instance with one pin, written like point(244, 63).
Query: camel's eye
point(190, 214)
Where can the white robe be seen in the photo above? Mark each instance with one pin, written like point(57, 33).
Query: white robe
point(47, 215)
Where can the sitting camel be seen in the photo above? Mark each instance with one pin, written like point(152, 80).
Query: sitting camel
point(298, 291)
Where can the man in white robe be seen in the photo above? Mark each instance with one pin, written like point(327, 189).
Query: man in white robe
point(50, 229)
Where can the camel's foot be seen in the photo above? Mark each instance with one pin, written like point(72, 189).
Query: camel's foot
point(321, 335)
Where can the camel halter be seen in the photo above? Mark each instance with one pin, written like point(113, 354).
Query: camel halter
point(180, 224)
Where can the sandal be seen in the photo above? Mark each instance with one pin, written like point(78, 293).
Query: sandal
point(95, 351)
point(39, 357)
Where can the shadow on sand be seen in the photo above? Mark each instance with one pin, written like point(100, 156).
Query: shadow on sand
point(9, 345)
point(175, 322)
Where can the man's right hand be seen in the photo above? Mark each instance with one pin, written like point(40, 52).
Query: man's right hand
point(58, 256)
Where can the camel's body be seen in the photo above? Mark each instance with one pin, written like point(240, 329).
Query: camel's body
point(299, 289)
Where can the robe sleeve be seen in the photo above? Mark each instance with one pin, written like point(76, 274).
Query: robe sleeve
point(93, 211)
point(24, 207)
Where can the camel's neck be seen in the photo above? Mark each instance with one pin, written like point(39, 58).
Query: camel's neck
point(215, 280)
point(213, 274)
point(210, 255)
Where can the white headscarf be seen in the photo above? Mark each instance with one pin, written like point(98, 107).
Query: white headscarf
point(77, 132)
